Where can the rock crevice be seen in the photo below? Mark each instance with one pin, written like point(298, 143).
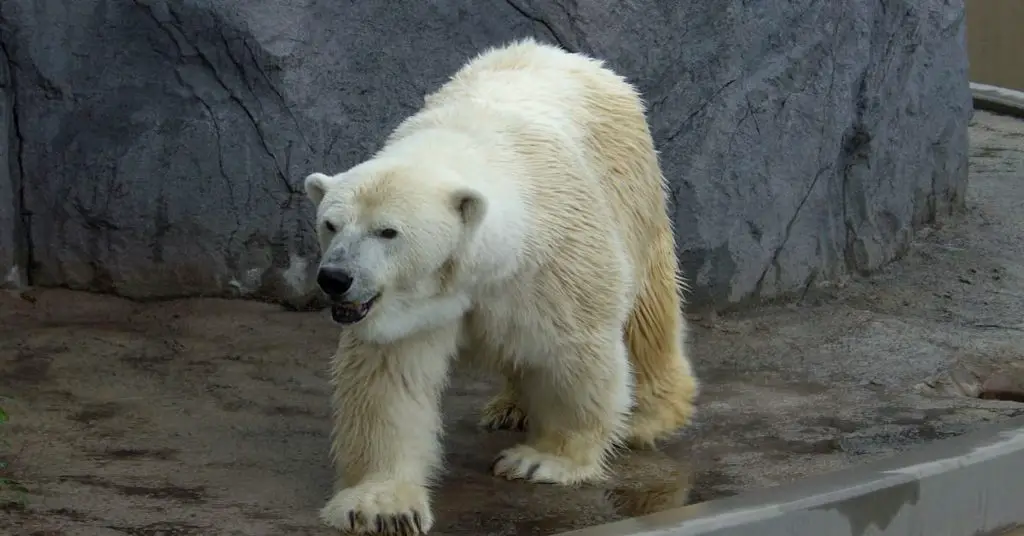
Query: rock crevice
point(16, 248)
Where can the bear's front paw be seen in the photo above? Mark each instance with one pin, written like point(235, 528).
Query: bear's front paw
point(393, 508)
point(527, 463)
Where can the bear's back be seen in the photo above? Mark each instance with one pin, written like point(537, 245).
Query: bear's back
point(577, 124)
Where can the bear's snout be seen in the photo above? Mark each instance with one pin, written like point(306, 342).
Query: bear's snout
point(335, 282)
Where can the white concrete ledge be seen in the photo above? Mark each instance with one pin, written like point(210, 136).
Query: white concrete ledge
point(972, 485)
point(998, 99)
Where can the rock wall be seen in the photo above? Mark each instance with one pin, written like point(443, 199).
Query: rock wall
point(161, 144)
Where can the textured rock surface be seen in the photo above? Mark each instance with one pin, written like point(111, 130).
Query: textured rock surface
point(163, 142)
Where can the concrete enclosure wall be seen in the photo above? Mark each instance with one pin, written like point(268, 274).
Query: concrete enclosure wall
point(995, 42)
point(155, 148)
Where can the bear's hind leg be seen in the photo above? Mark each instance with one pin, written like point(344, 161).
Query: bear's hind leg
point(578, 404)
point(666, 387)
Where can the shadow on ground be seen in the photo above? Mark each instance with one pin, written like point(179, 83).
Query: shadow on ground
point(210, 417)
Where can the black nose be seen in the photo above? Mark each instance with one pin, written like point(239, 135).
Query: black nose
point(333, 281)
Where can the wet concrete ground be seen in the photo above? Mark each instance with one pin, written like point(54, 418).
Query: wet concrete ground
point(210, 417)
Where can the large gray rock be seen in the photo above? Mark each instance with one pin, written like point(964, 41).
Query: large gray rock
point(163, 142)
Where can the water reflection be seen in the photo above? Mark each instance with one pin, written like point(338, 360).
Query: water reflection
point(650, 481)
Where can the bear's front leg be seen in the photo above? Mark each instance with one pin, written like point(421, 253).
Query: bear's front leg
point(386, 444)
point(577, 404)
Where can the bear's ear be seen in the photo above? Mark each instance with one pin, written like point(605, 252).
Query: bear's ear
point(470, 205)
point(316, 186)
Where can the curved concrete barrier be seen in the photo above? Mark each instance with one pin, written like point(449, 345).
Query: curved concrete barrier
point(972, 485)
point(998, 99)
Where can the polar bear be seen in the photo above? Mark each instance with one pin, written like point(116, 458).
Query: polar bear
point(518, 221)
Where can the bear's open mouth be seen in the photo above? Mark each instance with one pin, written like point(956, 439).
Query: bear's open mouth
point(350, 313)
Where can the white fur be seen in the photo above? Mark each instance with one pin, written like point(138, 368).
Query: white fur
point(536, 277)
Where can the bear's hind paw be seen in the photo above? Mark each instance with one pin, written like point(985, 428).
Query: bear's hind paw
point(503, 414)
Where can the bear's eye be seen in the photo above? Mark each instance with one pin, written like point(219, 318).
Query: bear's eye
point(330, 227)
point(387, 233)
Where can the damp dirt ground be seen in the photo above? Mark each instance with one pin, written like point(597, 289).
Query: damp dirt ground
point(210, 417)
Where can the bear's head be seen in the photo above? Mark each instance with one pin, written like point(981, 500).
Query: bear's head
point(388, 234)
